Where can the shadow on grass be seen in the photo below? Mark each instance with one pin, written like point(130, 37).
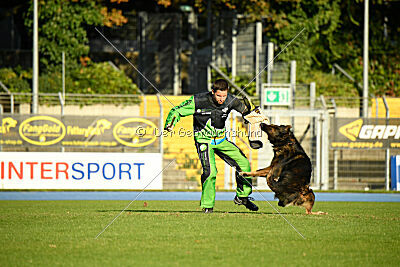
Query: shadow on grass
point(198, 212)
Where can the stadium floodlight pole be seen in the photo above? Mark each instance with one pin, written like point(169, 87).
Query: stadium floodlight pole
point(35, 74)
point(63, 75)
point(137, 196)
point(275, 209)
point(130, 63)
point(365, 60)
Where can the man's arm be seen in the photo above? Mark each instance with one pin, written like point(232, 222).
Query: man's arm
point(242, 106)
point(184, 109)
point(254, 117)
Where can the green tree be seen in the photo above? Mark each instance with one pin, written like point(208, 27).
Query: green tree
point(63, 25)
point(62, 28)
point(384, 44)
point(333, 34)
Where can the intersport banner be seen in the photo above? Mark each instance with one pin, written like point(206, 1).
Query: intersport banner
point(70, 170)
point(365, 133)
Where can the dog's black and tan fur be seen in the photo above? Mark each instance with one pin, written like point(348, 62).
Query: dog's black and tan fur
point(290, 170)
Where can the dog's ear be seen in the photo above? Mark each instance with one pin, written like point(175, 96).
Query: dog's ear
point(288, 127)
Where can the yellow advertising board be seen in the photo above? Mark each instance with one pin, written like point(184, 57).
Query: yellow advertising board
point(393, 104)
point(79, 131)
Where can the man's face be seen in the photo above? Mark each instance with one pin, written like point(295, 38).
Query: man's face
point(220, 96)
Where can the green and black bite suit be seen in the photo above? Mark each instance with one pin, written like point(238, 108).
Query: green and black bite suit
point(210, 138)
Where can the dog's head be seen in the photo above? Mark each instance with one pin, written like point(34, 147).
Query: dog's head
point(277, 134)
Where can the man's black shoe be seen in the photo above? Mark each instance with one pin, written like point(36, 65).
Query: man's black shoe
point(246, 202)
point(208, 210)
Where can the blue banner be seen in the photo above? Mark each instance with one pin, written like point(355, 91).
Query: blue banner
point(395, 172)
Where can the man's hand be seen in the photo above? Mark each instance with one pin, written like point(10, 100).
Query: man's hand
point(170, 126)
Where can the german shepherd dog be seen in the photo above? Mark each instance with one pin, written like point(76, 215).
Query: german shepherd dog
point(290, 170)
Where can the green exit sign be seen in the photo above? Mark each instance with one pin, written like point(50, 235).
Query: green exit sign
point(276, 96)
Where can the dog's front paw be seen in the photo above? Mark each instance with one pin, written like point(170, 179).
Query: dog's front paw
point(320, 213)
point(316, 212)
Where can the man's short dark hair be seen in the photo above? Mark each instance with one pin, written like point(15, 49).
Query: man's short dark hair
point(220, 84)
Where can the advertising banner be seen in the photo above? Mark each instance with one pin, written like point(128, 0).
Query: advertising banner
point(79, 131)
point(395, 172)
point(54, 170)
point(362, 133)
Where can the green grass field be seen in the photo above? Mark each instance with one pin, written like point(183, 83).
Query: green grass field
point(176, 233)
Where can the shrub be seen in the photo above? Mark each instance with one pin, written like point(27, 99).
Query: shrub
point(95, 78)
point(13, 81)
point(328, 84)
point(101, 78)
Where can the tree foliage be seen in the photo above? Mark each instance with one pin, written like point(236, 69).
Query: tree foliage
point(63, 28)
point(63, 25)
point(94, 78)
point(384, 44)
point(333, 34)
point(16, 80)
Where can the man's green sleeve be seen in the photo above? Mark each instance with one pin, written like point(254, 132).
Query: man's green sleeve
point(186, 108)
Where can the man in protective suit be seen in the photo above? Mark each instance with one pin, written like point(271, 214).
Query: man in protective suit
point(210, 111)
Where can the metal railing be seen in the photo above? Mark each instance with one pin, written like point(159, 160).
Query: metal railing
point(10, 101)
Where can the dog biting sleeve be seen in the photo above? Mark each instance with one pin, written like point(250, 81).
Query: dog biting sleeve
point(254, 119)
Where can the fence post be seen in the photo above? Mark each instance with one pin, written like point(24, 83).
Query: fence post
point(177, 88)
point(335, 154)
point(234, 45)
point(258, 52)
point(35, 63)
point(209, 77)
point(63, 74)
point(387, 155)
point(12, 103)
point(325, 150)
point(318, 154)
point(270, 61)
point(161, 124)
point(312, 95)
point(313, 120)
point(293, 86)
point(335, 169)
point(62, 101)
